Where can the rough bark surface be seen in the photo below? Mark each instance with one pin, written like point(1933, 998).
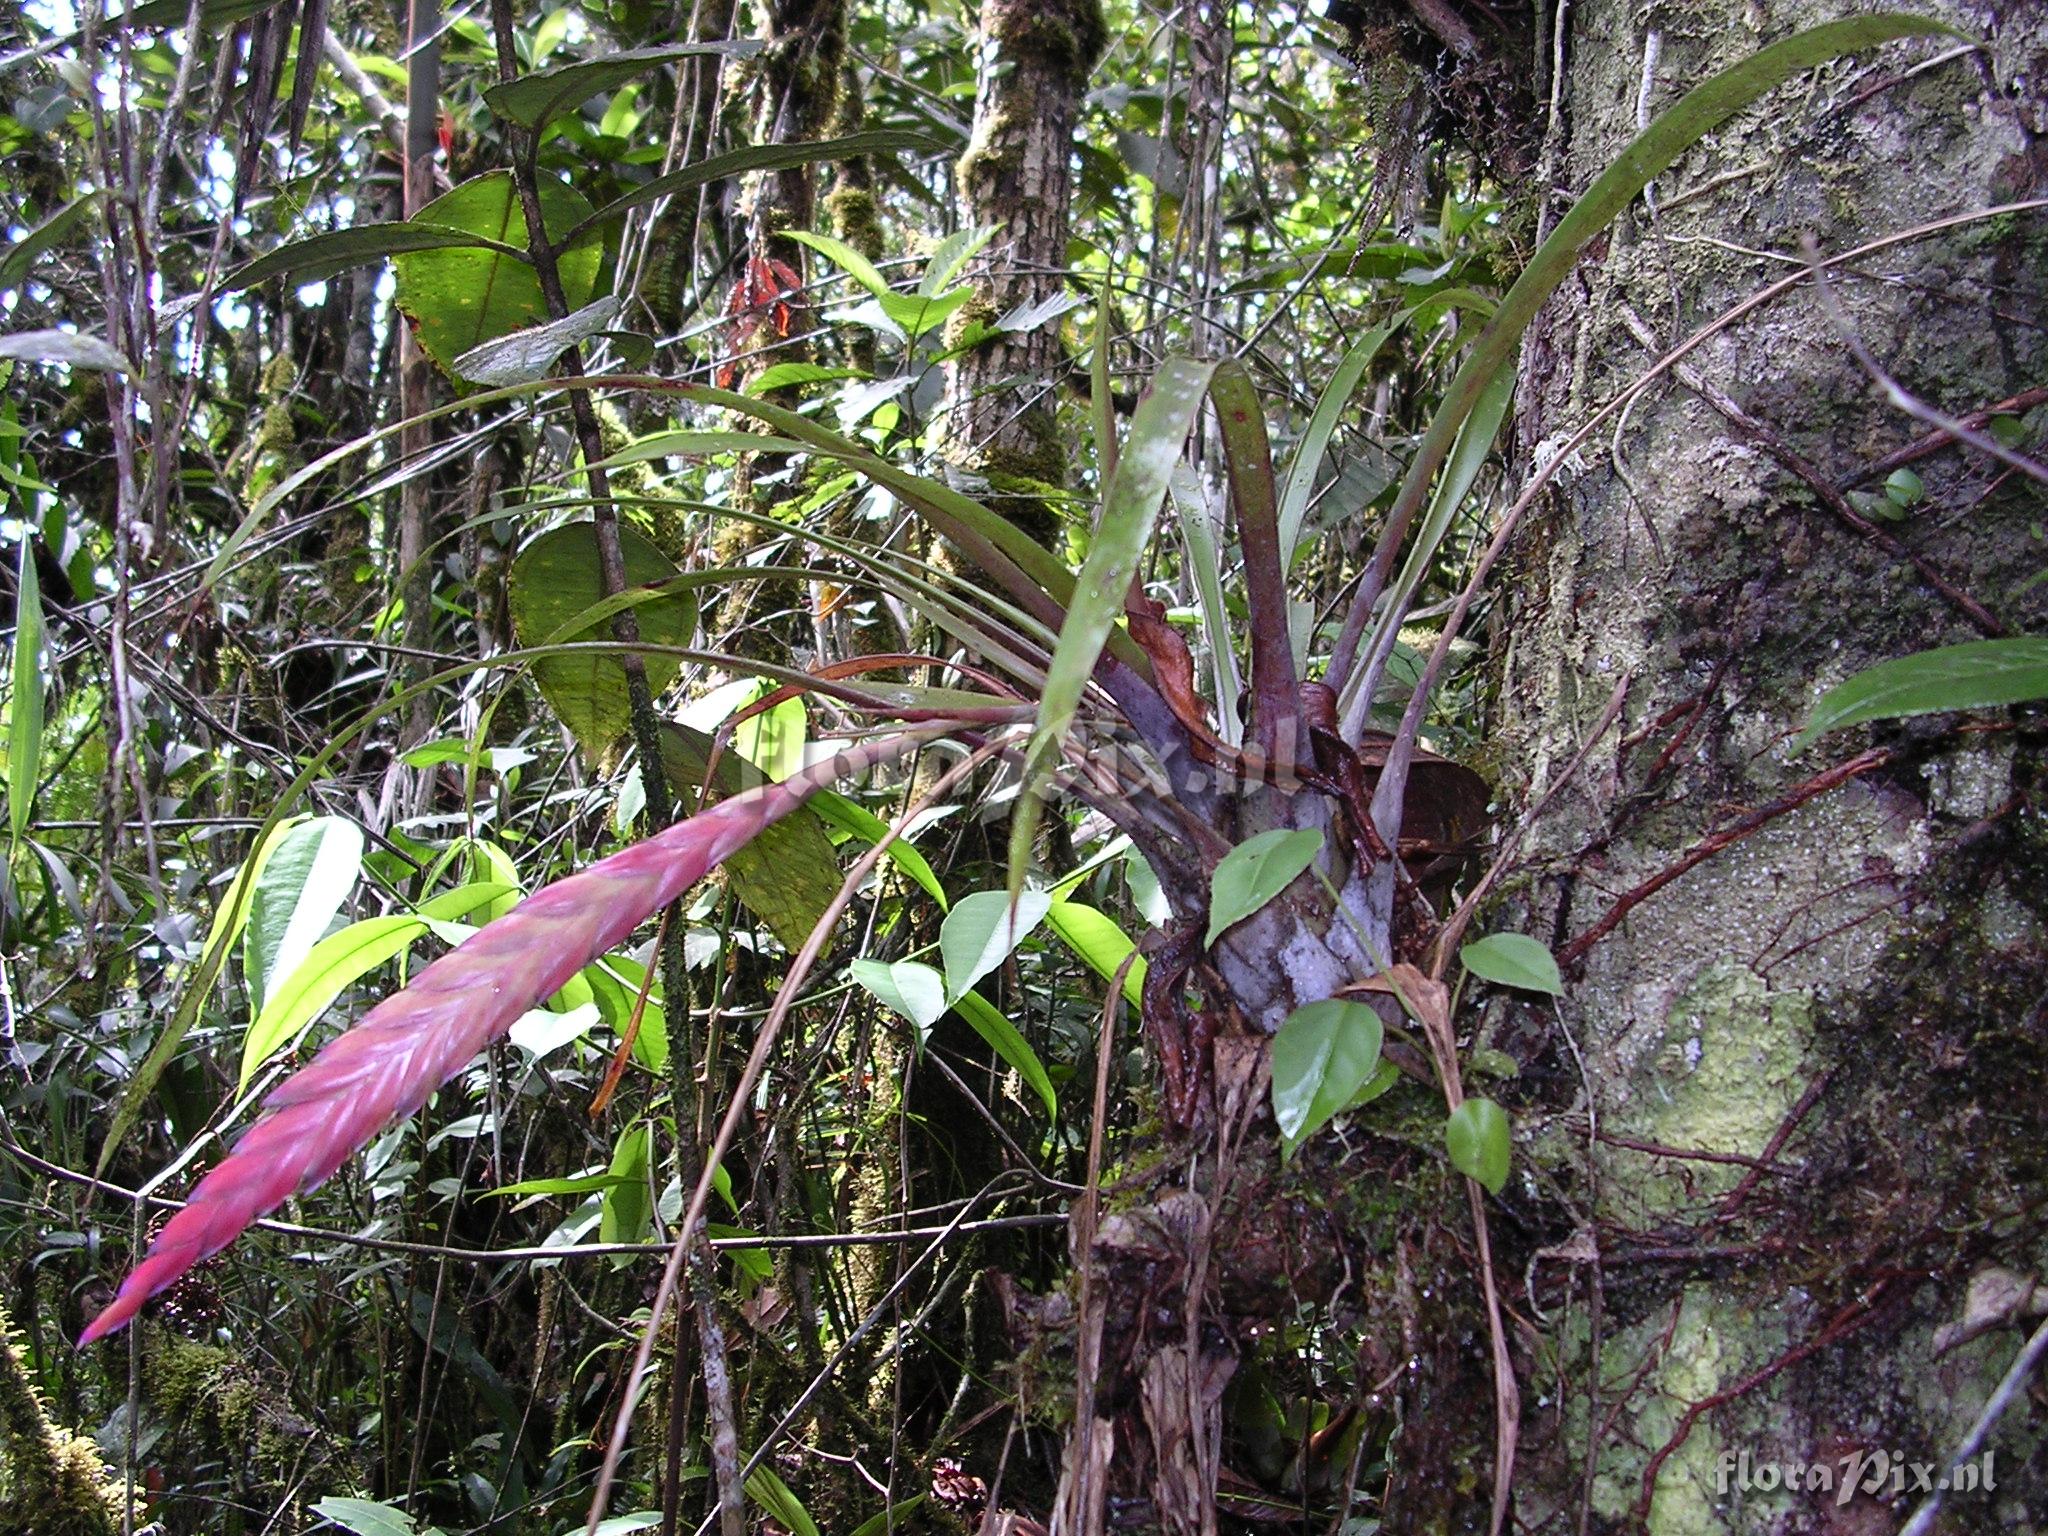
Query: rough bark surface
point(1017, 175)
point(1853, 991)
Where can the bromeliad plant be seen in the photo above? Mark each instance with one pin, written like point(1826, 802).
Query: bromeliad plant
point(1291, 845)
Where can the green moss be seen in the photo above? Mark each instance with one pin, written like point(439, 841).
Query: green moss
point(52, 1481)
point(1728, 1063)
point(856, 218)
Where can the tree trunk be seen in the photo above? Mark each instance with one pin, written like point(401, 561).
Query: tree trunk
point(1849, 990)
point(1016, 175)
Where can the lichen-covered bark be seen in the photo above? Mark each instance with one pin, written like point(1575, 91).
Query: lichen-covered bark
point(1851, 992)
point(1016, 175)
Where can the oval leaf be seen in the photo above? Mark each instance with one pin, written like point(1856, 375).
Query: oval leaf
point(1981, 674)
point(1101, 944)
point(1323, 1056)
point(913, 990)
point(303, 884)
point(1512, 960)
point(555, 581)
point(1256, 871)
point(460, 297)
point(1478, 1139)
point(981, 931)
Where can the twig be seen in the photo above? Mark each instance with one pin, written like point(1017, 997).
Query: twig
point(1941, 437)
point(689, 1231)
point(1851, 1317)
point(1773, 442)
point(1897, 393)
point(1714, 842)
point(1734, 1198)
point(2002, 1399)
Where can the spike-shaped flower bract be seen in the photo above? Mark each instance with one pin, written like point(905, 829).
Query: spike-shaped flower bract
point(415, 1040)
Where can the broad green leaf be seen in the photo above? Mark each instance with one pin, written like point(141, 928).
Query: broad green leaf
point(1004, 1040)
point(366, 1517)
point(981, 931)
point(528, 354)
point(1512, 960)
point(628, 1204)
point(1478, 1138)
point(17, 260)
point(615, 985)
point(555, 581)
point(459, 298)
point(846, 258)
point(773, 741)
point(916, 991)
point(1979, 674)
point(25, 700)
point(953, 254)
point(788, 875)
point(311, 987)
point(1323, 1055)
point(856, 820)
point(761, 157)
point(774, 1496)
point(303, 884)
point(1322, 424)
point(1101, 944)
point(622, 1525)
point(530, 100)
point(1130, 509)
point(341, 250)
point(790, 375)
point(1256, 871)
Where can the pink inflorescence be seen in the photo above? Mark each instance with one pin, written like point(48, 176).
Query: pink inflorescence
point(415, 1040)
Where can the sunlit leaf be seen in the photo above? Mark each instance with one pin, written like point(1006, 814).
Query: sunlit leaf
point(25, 700)
point(304, 881)
point(982, 930)
point(916, 991)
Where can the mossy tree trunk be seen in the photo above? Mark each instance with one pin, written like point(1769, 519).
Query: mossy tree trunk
point(1851, 990)
point(1017, 176)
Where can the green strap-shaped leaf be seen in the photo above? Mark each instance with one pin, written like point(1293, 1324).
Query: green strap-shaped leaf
point(1004, 1040)
point(1653, 151)
point(1102, 945)
point(342, 250)
point(760, 157)
point(1981, 674)
point(1322, 424)
point(1130, 509)
point(530, 100)
point(25, 702)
